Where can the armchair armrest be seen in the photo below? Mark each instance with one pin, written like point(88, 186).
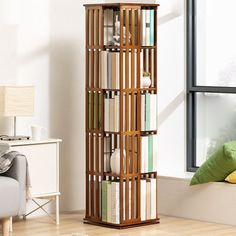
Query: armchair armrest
point(18, 172)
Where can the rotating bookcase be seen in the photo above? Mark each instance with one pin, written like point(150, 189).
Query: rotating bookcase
point(121, 126)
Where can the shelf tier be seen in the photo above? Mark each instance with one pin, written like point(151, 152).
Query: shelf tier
point(130, 175)
point(112, 47)
point(106, 5)
point(135, 132)
point(127, 90)
point(128, 224)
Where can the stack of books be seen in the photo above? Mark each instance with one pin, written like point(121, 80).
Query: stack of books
point(112, 112)
point(111, 200)
point(148, 153)
point(148, 111)
point(147, 27)
point(109, 64)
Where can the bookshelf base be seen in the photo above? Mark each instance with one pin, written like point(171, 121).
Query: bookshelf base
point(121, 226)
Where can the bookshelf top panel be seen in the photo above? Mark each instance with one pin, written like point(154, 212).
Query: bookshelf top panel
point(107, 5)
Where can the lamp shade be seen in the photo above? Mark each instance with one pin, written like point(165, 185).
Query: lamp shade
point(16, 100)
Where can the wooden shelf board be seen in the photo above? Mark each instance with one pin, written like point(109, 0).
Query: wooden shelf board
point(121, 4)
point(129, 224)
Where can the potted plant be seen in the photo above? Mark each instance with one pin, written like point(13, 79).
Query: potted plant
point(146, 80)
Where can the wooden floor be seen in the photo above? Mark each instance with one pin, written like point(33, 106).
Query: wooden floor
point(72, 225)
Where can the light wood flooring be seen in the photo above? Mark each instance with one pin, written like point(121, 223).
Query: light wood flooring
point(72, 225)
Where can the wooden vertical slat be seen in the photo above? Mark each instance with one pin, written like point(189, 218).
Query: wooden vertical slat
point(121, 115)
point(138, 118)
point(155, 50)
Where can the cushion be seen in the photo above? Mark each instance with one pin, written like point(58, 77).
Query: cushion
point(219, 165)
point(6, 161)
point(231, 178)
point(9, 197)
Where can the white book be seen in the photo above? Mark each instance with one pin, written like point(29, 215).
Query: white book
point(141, 63)
point(117, 70)
point(109, 202)
point(147, 28)
point(143, 201)
point(154, 152)
point(117, 113)
point(103, 69)
point(144, 154)
point(143, 111)
point(153, 198)
point(153, 109)
point(115, 205)
point(106, 114)
point(143, 27)
point(111, 115)
point(148, 199)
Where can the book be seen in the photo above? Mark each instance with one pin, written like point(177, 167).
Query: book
point(107, 145)
point(151, 27)
point(153, 198)
point(153, 109)
point(117, 113)
point(143, 200)
point(155, 152)
point(143, 27)
point(115, 202)
point(109, 70)
point(148, 199)
point(147, 35)
point(113, 70)
point(147, 111)
point(105, 184)
point(106, 114)
point(111, 114)
point(143, 102)
point(103, 69)
point(150, 153)
point(144, 154)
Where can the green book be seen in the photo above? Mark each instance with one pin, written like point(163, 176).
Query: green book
point(97, 111)
point(104, 199)
point(150, 153)
point(151, 27)
point(147, 111)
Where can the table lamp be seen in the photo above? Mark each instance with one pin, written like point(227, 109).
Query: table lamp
point(16, 101)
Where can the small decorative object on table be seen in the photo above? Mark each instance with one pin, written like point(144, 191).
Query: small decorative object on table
point(145, 80)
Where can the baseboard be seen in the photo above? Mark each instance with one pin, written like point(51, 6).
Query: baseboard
point(212, 202)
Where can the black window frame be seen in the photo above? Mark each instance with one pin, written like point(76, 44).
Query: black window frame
point(193, 88)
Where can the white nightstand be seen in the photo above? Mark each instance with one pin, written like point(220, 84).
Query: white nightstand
point(43, 162)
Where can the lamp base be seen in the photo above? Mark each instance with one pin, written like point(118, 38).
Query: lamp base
point(13, 138)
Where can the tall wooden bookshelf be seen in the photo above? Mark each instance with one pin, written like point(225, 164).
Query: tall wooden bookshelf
point(133, 55)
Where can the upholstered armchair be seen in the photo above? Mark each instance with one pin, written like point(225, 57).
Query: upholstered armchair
point(13, 193)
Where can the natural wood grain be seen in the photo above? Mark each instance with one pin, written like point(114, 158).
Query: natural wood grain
point(72, 224)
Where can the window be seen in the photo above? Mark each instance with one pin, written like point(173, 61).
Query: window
point(211, 78)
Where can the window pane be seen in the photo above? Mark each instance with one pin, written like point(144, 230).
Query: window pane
point(216, 43)
point(216, 122)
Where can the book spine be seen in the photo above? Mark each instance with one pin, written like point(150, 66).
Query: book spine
point(109, 70)
point(113, 70)
point(153, 198)
point(150, 153)
point(117, 70)
point(104, 200)
point(112, 114)
point(109, 202)
point(147, 111)
point(153, 108)
point(143, 201)
point(147, 28)
point(106, 114)
point(115, 205)
point(148, 199)
point(117, 113)
point(143, 27)
point(143, 112)
point(155, 152)
point(152, 27)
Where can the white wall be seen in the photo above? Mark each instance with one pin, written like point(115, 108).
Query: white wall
point(50, 49)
